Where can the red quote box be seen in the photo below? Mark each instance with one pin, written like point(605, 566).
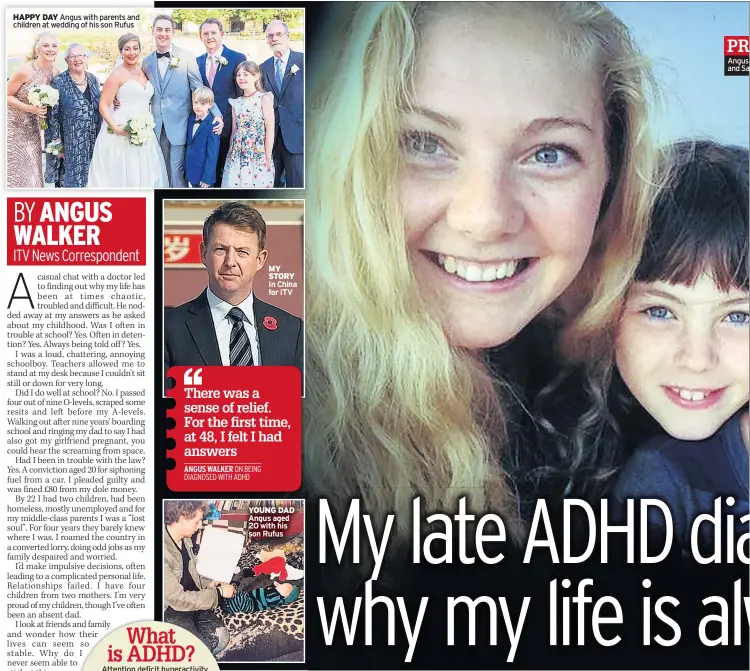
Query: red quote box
point(76, 231)
point(236, 429)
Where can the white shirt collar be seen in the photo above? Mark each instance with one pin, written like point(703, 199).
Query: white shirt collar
point(217, 53)
point(220, 308)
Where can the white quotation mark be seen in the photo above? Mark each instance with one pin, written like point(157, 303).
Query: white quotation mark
point(191, 378)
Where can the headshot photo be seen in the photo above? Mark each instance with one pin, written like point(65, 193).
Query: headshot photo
point(183, 98)
point(233, 283)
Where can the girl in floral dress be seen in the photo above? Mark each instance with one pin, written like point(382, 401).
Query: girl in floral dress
point(249, 164)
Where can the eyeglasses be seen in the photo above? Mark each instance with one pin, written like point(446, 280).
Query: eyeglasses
point(76, 57)
point(277, 35)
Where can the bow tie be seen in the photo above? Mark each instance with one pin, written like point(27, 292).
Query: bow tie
point(160, 55)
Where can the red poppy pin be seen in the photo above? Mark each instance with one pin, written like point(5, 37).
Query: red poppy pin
point(270, 323)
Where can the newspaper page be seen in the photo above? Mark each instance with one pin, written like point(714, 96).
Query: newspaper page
point(515, 432)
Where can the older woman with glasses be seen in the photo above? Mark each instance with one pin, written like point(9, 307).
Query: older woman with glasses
point(75, 121)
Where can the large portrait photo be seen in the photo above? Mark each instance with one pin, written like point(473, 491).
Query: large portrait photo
point(151, 98)
point(528, 287)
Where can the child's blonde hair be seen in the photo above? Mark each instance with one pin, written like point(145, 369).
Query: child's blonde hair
point(203, 94)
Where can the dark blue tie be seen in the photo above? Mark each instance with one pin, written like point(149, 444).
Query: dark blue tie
point(279, 74)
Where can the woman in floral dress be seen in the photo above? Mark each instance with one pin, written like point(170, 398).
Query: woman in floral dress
point(250, 164)
point(24, 132)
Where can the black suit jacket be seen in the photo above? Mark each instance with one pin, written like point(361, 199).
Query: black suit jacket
point(190, 338)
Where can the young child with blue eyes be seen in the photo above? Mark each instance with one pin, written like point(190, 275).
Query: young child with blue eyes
point(682, 346)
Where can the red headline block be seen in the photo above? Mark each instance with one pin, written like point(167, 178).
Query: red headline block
point(76, 231)
point(236, 429)
point(737, 46)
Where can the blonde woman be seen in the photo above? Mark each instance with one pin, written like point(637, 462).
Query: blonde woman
point(476, 167)
point(24, 132)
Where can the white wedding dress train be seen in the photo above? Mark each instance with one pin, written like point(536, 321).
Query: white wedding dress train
point(117, 163)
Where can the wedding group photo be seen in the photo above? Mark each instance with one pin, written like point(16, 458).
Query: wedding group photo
point(160, 98)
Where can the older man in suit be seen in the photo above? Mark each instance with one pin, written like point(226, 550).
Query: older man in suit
point(217, 67)
point(284, 76)
point(227, 325)
point(174, 74)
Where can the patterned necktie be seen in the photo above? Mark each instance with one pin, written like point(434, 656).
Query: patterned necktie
point(279, 74)
point(212, 72)
point(240, 353)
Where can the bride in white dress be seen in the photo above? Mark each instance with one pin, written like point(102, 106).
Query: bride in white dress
point(117, 163)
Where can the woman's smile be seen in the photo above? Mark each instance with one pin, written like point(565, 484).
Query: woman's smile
point(480, 271)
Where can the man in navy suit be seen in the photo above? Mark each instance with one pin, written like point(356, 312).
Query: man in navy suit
point(217, 67)
point(284, 76)
point(227, 325)
point(174, 74)
point(202, 145)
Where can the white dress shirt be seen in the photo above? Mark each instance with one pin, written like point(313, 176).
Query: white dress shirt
point(223, 325)
point(216, 54)
point(163, 64)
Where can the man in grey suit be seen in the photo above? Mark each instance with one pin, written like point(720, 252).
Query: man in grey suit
point(174, 74)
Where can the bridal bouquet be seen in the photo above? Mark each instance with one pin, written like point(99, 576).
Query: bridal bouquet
point(42, 95)
point(141, 129)
point(55, 148)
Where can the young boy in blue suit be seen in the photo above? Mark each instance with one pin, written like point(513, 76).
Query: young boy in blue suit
point(202, 150)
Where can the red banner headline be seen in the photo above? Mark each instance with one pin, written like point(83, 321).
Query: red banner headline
point(76, 231)
point(236, 429)
point(737, 46)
